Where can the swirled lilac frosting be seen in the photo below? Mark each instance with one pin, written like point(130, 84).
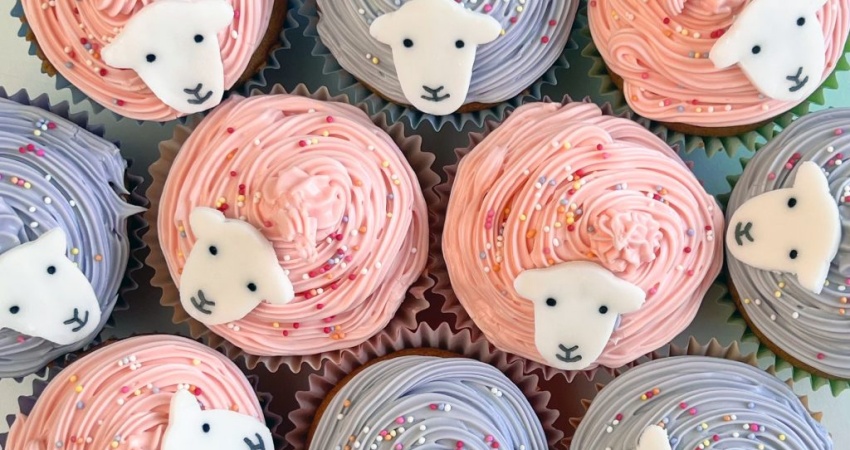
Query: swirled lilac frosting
point(429, 402)
point(812, 329)
point(55, 174)
point(702, 402)
point(535, 34)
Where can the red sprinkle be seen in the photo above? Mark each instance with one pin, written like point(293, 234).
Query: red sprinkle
point(230, 130)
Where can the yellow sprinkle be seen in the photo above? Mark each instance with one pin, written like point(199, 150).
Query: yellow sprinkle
point(746, 301)
point(27, 185)
point(114, 444)
point(196, 362)
point(781, 284)
point(79, 388)
point(522, 217)
point(137, 393)
point(73, 379)
point(385, 164)
point(275, 325)
point(375, 60)
point(567, 146)
point(777, 294)
point(325, 133)
point(781, 437)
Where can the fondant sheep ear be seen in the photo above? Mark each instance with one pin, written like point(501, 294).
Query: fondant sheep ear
point(530, 283)
point(625, 297)
point(52, 242)
point(116, 55)
point(654, 438)
point(216, 13)
point(816, 4)
point(484, 28)
point(384, 29)
point(183, 405)
point(205, 220)
point(810, 179)
point(725, 52)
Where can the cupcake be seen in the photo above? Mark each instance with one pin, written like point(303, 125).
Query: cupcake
point(787, 243)
point(391, 48)
point(64, 239)
point(154, 60)
point(719, 68)
point(695, 401)
point(576, 239)
point(160, 392)
point(432, 388)
point(307, 215)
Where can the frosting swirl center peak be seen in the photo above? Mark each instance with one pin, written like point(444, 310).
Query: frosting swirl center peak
point(625, 240)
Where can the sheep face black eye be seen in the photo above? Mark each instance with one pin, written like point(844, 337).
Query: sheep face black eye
point(252, 287)
point(460, 44)
point(756, 49)
point(14, 310)
point(213, 250)
point(205, 427)
point(792, 202)
point(199, 38)
point(793, 254)
point(408, 43)
point(801, 21)
point(551, 302)
point(603, 309)
point(51, 270)
point(150, 57)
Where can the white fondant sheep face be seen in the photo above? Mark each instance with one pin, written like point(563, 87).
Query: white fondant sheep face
point(779, 46)
point(654, 438)
point(173, 46)
point(794, 230)
point(434, 44)
point(576, 308)
point(190, 427)
point(44, 294)
point(231, 269)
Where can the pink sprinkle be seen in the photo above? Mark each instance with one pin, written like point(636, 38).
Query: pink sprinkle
point(653, 291)
point(198, 391)
point(329, 119)
point(230, 130)
point(432, 406)
point(619, 416)
point(821, 356)
point(599, 147)
point(296, 325)
point(488, 8)
point(459, 444)
point(383, 433)
point(320, 306)
point(715, 438)
point(553, 22)
point(771, 176)
point(51, 126)
point(488, 438)
point(644, 75)
point(22, 150)
point(494, 445)
point(39, 153)
point(839, 131)
point(125, 389)
point(286, 332)
point(544, 39)
point(21, 339)
point(692, 411)
point(754, 427)
point(236, 14)
point(399, 420)
point(302, 143)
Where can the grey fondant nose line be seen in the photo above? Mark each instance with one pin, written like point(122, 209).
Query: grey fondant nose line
point(260, 445)
point(81, 323)
point(741, 232)
point(567, 357)
point(435, 94)
point(201, 303)
point(798, 83)
point(198, 99)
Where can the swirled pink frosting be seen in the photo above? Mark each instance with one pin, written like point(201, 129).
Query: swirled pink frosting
point(119, 396)
point(660, 48)
point(72, 33)
point(334, 195)
point(557, 183)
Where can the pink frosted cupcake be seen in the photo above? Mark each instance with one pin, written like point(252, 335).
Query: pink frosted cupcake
point(576, 239)
point(293, 227)
point(156, 392)
point(719, 67)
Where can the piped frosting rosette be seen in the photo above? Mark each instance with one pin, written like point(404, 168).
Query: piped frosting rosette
point(64, 239)
point(577, 239)
point(515, 413)
point(791, 200)
point(689, 62)
point(702, 396)
point(333, 198)
point(72, 36)
point(126, 394)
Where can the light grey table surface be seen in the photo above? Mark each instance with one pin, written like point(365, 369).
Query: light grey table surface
point(19, 70)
